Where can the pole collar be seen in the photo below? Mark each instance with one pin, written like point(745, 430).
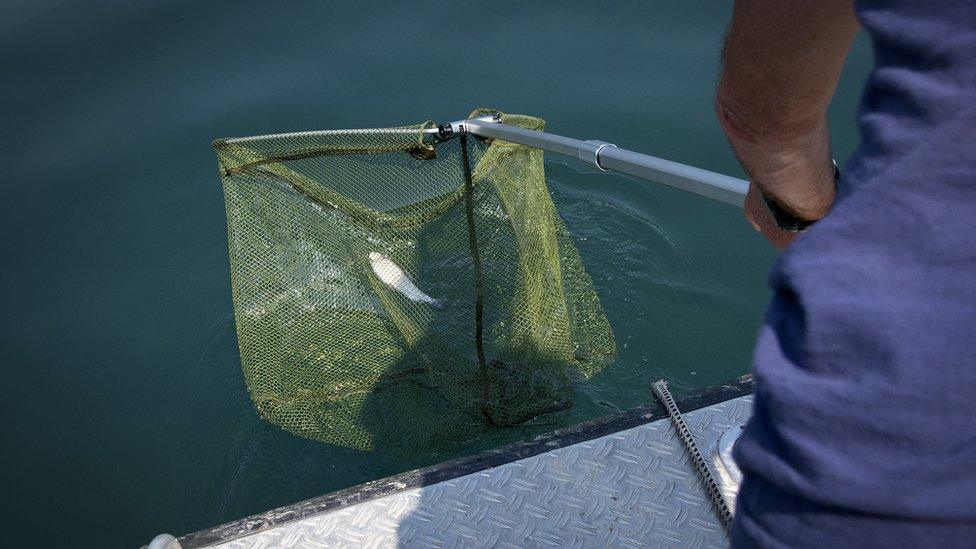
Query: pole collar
point(589, 152)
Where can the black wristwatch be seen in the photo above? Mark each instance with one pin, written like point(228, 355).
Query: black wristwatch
point(789, 222)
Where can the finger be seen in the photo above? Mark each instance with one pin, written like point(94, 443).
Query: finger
point(754, 208)
point(762, 220)
point(751, 217)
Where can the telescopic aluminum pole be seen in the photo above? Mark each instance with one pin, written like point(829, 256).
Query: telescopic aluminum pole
point(609, 157)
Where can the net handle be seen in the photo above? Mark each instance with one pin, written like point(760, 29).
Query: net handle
point(608, 157)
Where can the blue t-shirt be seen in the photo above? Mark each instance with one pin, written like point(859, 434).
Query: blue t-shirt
point(864, 430)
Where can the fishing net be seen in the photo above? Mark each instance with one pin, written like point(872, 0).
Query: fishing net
point(393, 290)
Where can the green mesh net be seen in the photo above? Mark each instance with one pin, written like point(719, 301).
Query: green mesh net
point(397, 291)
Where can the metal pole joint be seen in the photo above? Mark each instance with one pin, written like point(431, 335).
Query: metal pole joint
point(589, 152)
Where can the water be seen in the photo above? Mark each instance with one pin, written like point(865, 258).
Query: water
point(125, 410)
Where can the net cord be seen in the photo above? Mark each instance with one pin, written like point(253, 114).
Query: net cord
point(479, 306)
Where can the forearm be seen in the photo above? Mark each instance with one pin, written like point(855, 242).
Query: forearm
point(781, 63)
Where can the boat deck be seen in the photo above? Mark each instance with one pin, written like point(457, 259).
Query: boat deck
point(625, 481)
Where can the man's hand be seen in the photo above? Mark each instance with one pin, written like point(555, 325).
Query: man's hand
point(796, 172)
point(781, 63)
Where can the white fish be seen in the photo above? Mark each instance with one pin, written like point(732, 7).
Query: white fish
point(393, 276)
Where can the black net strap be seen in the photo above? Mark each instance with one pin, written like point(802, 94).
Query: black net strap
point(479, 306)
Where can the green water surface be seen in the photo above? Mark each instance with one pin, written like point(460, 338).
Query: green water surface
point(125, 412)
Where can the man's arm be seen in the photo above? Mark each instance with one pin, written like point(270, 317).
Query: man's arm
point(781, 63)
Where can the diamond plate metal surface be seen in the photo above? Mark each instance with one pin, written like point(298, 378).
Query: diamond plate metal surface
point(633, 488)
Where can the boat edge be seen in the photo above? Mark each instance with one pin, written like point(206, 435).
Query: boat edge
point(459, 467)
